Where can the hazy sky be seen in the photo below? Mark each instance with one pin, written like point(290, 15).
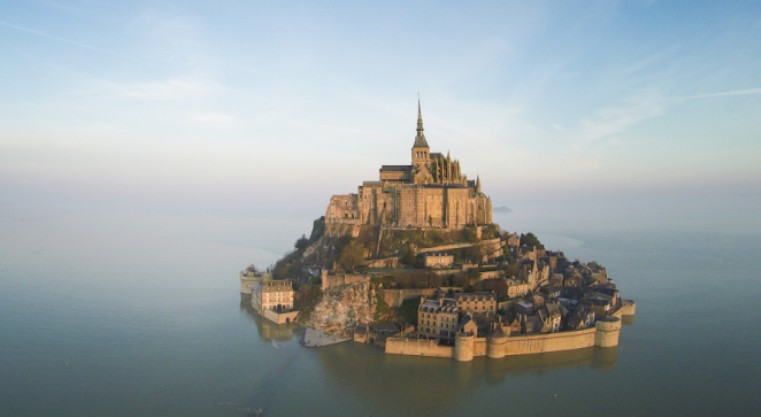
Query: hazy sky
point(294, 101)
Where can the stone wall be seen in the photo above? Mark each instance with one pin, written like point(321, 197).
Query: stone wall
point(390, 262)
point(551, 342)
point(417, 347)
point(490, 244)
point(280, 318)
point(337, 280)
point(469, 347)
point(247, 282)
point(394, 298)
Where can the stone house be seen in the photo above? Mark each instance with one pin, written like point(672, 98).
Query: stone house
point(437, 319)
point(482, 304)
point(275, 295)
point(438, 260)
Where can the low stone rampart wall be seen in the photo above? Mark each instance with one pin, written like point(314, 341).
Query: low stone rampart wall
point(391, 262)
point(417, 347)
point(514, 345)
point(490, 243)
point(332, 281)
point(280, 318)
point(479, 346)
point(628, 308)
point(394, 298)
point(551, 342)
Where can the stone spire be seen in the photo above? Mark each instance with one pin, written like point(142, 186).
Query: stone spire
point(420, 141)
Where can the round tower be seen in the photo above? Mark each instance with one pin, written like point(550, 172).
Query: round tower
point(608, 329)
point(495, 346)
point(464, 345)
point(247, 281)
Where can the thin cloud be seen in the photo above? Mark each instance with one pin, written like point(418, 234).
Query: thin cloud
point(79, 44)
point(172, 89)
point(610, 121)
point(733, 93)
point(650, 60)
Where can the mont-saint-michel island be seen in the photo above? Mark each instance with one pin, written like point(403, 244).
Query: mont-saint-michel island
point(412, 263)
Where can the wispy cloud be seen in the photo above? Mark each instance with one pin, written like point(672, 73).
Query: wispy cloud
point(166, 90)
point(732, 93)
point(78, 44)
point(610, 121)
point(650, 60)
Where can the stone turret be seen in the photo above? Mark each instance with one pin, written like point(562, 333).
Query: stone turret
point(465, 339)
point(608, 330)
point(464, 345)
point(496, 345)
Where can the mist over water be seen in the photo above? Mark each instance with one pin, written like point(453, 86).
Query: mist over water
point(133, 310)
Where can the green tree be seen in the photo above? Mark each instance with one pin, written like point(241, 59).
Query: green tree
point(469, 234)
point(302, 243)
point(475, 253)
point(351, 255)
point(318, 229)
point(530, 239)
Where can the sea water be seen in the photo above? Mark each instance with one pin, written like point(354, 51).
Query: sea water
point(118, 312)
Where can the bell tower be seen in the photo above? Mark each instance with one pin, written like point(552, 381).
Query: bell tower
point(421, 153)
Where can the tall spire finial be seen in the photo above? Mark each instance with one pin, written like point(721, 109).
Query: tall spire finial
point(420, 141)
point(419, 115)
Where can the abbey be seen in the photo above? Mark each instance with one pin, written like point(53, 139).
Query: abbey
point(431, 192)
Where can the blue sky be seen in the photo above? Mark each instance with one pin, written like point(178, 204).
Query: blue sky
point(294, 101)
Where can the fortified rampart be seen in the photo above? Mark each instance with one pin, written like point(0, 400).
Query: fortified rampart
point(417, 347)
point(467, 346)
point(394, 298)
point(489, 244)
point(248, 279)
point(280, 318)
point(332, 281)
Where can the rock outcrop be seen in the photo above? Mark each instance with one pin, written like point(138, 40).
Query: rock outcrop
point(343, 307)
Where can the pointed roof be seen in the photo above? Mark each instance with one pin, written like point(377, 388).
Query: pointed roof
point(420, 141)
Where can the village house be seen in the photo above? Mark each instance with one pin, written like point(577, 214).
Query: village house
point(438, 261)
point(481, 304)
point(275, 295)
point(437, 319)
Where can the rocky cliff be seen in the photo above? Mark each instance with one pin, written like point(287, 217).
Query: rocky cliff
point(343, 307)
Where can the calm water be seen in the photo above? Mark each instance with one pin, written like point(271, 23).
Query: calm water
point(124, 313)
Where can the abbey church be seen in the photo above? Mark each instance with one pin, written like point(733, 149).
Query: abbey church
point(429, 193)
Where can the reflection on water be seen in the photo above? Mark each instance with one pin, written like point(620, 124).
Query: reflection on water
point(267, 330)
point(121, 333)
point(377, 378)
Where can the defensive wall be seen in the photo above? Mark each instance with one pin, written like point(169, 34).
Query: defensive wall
point(489, 243)
point(417, 347)
point(467, 346)
point(390, 262)
point(247, 283)
point(330, 281)
point(394, 298)
point(280, 318)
